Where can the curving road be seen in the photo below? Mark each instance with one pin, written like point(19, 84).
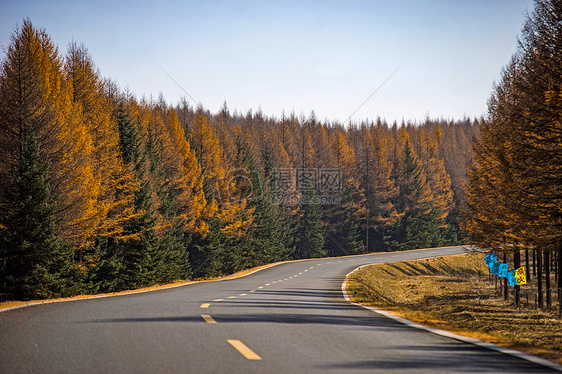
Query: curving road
point(289, 318)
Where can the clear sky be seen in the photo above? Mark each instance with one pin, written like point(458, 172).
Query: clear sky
point(326, 56)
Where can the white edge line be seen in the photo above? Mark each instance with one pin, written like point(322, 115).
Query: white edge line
point(447, 334)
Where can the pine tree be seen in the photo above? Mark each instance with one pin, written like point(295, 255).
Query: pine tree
point(36, 107)
point(186, 184)
point(377, 186)
point(310, 231)
point(35, 260)
point(127, 263)
point(418, 226)
point(206, 253)
point(140, 256)
point(438, 179)
point(112, 207)
point(351, 233)
point(264, 234)
point(513, 190)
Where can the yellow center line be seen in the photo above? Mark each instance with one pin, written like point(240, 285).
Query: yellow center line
point(318, 264)
point(305, 271)
point(312, 267)
point(206, 305)
point(273, 282)
point(243, 349)
point(218, 300)
point(243, 294)
point(268, 284)
point(286, 279)
point(253, 291)
point(300, 273)
point(231, 297)
point(260, 287)
point(208, 318)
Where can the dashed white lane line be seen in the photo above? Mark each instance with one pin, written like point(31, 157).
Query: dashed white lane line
point(205, 305)
point(243, 349)
point(208, 318)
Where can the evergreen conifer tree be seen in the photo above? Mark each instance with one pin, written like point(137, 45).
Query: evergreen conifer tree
point(36, 263)
point(310, 231)
point(351, 233)
point(263, 238)
point(418, 226)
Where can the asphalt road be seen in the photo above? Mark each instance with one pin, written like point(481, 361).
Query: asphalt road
point(289, 318)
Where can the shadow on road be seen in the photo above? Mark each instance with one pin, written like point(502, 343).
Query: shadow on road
point(311, 319)
point(285, 306)
point(437, 357)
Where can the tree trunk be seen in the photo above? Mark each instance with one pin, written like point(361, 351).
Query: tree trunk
point(560, 280)
point(527, 265)
point(547, 279)
point(517, 264)
point(534, 262)
point(538, 256)
point(367, 205)
point(504, 280)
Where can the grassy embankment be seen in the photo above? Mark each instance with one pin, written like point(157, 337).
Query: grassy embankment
point(455, 294)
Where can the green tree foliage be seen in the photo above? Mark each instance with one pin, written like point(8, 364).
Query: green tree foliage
point(265, 236)
point(309, 231)
point(418, 226)
point(35, 260)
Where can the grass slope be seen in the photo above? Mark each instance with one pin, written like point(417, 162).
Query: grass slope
point(455, 294)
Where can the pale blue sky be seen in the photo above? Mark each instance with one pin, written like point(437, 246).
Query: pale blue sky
point(326, 56)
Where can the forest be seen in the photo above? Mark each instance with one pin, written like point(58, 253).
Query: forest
point(513, 194)
point(102, 191)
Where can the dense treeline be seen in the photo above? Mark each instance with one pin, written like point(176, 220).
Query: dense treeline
point(514, 195)
point(101, 191)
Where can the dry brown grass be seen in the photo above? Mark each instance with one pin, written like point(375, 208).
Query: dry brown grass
point(454, 294)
